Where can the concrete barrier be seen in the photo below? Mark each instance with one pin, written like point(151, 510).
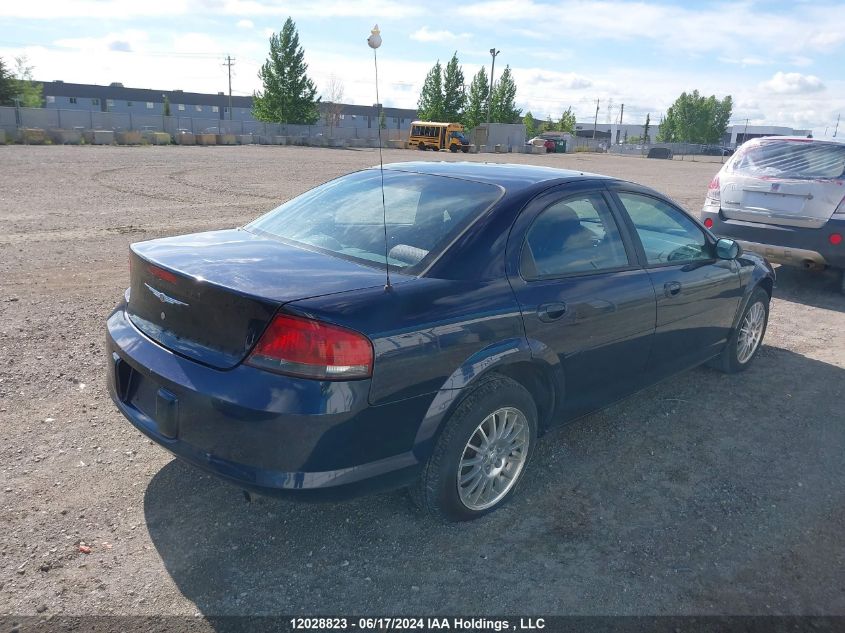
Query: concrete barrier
point(206, 139)
point(185, 138)
point(156, 138)
point(128, 137)
point(337, 142)
point(245, 139)
point(32, 136)
point(397, 144)
point(272, 140)
point(66, 137)
point(98, 137)
point(356, 142)
point(226, 139)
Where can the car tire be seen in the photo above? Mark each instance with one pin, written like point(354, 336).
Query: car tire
point(740, 350)
point(421, 147)
point(465, 150)
point(497, 406)
point(453, 149)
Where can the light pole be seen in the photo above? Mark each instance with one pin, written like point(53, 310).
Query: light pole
point(493, 53)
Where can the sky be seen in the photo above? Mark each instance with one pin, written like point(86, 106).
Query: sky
point(780, 61)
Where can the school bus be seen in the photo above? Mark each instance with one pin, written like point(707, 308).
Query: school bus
point(433, 135)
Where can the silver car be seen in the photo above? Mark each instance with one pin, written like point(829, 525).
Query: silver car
point(784, 198)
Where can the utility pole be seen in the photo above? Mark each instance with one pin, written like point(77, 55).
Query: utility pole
point(493, 52)
point(745, 132)
point(596, 120)
point(230, 62)
point(621, 112)
point(836, 129)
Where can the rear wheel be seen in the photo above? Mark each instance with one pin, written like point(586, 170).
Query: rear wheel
point(453, 148)
point(421, 147)
point(481, 454)
point(745, 342)
point(465, 149)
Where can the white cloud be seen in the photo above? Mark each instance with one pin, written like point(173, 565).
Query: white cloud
point(423, 34)
point(245, 24)
point(123, 42)
point(793, 83)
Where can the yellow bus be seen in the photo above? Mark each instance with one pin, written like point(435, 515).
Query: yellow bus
point(432, 135)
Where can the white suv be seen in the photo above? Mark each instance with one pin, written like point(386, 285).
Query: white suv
point(784, 198)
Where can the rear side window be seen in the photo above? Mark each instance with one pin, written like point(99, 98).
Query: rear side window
point(573, 236)
point(667, 234)
point(791, 159)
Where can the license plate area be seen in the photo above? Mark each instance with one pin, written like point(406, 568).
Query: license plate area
point(158, 404)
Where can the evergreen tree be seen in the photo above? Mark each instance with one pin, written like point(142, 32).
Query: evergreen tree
point(549, 125)
point(454, 97)
point(567, 121)
point(8, 90)
point(476, 107)
point(166, 106)
point(288, 94)
point(502, 106)
point(530, 126)
point(646, 127)
point(431, 101)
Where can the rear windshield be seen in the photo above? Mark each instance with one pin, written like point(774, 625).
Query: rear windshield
point(791, 159)
point(343, 217)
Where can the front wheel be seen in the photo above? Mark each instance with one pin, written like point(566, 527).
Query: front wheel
point(747, 338)
point(481, 454)
point(453, 148)
point(421, 147)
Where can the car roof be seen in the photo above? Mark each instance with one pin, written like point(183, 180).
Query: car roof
point(508, 175)
point(833, 141)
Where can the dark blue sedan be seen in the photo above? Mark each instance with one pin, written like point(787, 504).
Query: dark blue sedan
point(282, 358)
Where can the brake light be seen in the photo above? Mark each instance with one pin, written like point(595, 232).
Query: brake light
point(160, 273)
point(835, 239)
point(713, 193)
point(312, 349)
point(708, 223)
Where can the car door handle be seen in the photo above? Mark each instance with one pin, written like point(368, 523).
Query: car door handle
point(549, 312)
point(672, 288)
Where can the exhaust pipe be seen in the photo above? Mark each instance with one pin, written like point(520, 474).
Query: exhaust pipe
point(809, 264)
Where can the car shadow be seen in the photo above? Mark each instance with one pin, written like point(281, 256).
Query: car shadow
point(705, 494)
point(819, 289)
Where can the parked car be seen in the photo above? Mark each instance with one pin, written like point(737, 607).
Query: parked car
point(783, 197)
point(716, 150)
point(281, 357)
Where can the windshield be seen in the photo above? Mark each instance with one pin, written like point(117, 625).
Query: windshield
point(344, 217)
point(792, 159)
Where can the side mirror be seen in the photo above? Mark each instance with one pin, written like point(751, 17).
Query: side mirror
point(727, 249)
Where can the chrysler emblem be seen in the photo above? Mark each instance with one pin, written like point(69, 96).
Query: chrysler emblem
point(158, 294)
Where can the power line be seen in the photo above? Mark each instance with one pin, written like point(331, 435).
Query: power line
point(229, 62)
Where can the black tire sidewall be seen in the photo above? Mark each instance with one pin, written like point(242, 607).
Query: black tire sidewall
point(495, 394)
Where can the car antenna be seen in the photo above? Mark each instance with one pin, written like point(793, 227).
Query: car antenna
point(374, 41)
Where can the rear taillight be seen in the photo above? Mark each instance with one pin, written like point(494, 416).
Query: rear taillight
point(835, 239)
point(312, 349)
point(708, 223)
point(160, 273)
point(713, 194)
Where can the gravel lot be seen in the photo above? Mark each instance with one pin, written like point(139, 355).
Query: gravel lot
point(704, 495)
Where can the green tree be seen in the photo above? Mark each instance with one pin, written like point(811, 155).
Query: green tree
point(454, 97)
point(382, 120)
point(288, 94)
point(530, 126)
point(7, 85)
point(166, 106)
point(694, 118)
point(476, 106)
point(29, 92)
point(502, 105)
point(431, 102)
point(567, 121)
point(549, 125)
point(647, 125)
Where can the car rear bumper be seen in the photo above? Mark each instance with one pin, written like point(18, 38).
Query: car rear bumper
point(788, 245)
point(264, 432)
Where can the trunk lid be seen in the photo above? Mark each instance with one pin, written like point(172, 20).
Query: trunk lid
point(209, 296)
point(792, 182)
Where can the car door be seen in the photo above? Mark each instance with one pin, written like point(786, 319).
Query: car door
point(697, 293)
point(585, 301)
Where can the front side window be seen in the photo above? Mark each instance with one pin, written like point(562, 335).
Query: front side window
point(344, 216)
point(667, 234)
point(573, 236)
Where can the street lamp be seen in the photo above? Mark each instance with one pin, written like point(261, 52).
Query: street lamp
point(493, 53)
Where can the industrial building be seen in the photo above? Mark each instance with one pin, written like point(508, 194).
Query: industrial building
point(142, 101)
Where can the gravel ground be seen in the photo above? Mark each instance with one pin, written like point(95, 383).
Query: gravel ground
point(706, 494)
